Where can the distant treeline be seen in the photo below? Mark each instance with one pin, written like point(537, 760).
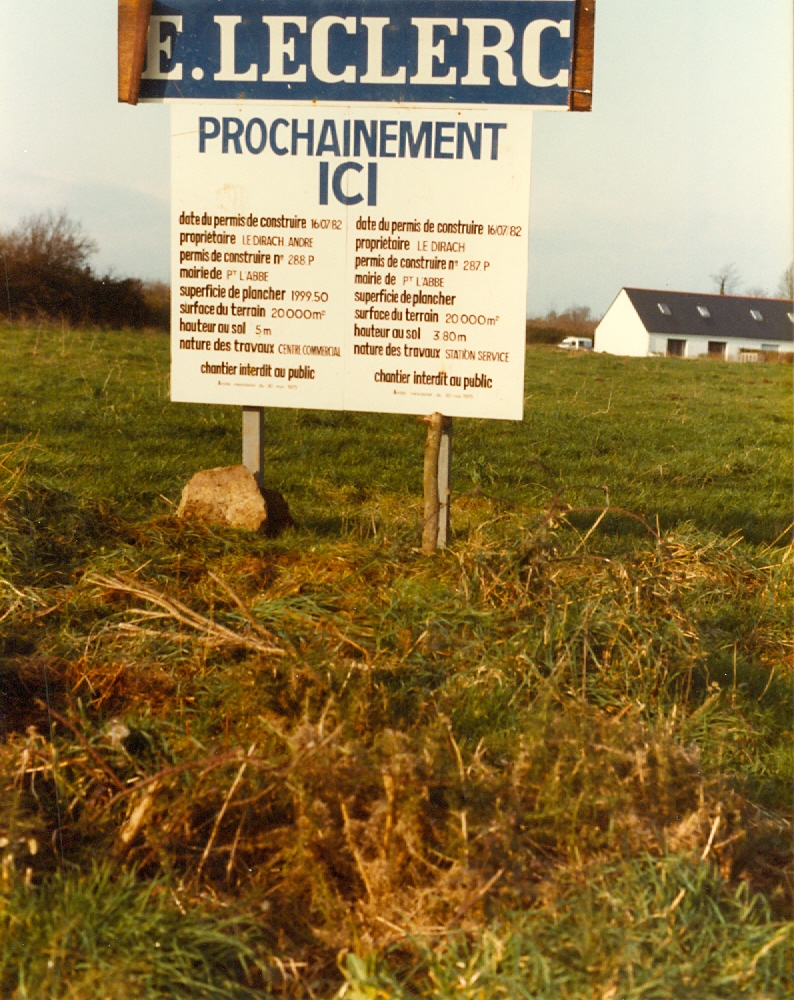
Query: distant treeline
point(46, 276)
point(554, 326)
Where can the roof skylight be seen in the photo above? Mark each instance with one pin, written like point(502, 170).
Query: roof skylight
point(704, 312)
point(664, 309)
point(757, 316)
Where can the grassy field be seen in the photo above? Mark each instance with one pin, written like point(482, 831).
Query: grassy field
point(552, 762)
point(704, 443)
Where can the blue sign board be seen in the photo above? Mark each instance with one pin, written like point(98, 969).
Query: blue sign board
point(468, 52)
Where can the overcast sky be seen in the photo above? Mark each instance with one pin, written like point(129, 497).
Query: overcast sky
point(684, 165)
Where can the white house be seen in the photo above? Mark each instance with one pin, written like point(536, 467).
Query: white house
point(642, 322)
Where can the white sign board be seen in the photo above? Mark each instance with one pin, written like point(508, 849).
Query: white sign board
point(360, 257)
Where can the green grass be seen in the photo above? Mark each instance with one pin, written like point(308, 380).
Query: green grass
point(685, 441)
point(553, 761)
point(639, 929)
point(88, 935)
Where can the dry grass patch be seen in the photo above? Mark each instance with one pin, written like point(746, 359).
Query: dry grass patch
point(357, 749)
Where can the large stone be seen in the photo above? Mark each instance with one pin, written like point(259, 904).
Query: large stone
point(228, 496)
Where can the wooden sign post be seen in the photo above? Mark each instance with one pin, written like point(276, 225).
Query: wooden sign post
point(437, 470)
point(350, 201)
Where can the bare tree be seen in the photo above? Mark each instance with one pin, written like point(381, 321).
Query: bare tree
point(785, 288)
point(49, 241)
point(554, 326)
point(47, 275)
point(726, 279)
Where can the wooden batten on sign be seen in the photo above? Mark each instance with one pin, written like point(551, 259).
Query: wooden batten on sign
point(133, 30)
point(581, 94)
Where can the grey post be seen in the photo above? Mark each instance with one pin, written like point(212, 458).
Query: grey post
point(254, 441)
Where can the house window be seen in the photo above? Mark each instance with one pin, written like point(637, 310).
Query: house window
point(757, 316)
point(717, 349)
point(770, 347)
point(676, 348)
point(704, 312)
point(664, 309)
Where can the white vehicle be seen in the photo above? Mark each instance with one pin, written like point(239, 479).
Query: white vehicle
point(576, 344)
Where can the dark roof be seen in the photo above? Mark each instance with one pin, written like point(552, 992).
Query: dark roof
point(729, 315)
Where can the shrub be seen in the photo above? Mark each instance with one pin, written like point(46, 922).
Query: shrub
point(554, 326)
point(48, 276)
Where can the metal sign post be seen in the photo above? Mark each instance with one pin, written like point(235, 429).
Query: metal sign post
point(351, 198)
point(254, 442)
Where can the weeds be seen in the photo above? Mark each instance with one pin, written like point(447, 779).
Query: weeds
point(355, 746)
point(658, 928)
